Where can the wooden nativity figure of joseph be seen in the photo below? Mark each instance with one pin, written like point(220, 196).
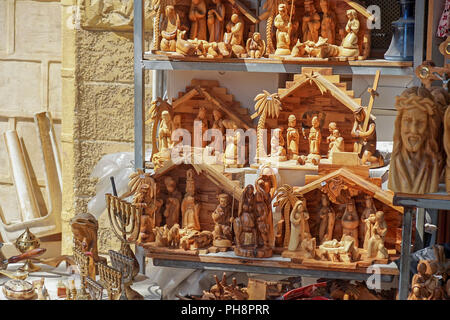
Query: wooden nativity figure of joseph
point(190, 209)
point(221, 217)
point(416, 158)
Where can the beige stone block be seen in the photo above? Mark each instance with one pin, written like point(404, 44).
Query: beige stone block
point(38, 27)
point(105, 56)
point(3, 25)
point(54, 87)
point(69, 93)
point(9, 204)
point(32, 148)
point(20, 86)
point(4, 169)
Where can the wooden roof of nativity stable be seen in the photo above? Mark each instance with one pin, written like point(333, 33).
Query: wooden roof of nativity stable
point(356, 181)
point(210, 91)
point(324, 85)
point(214, 175)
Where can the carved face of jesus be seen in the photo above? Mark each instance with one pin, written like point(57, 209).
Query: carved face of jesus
point(413, 128)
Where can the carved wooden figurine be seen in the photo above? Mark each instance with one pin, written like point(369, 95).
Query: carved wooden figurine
point(278, 150)
point(256, 47)
point(145, 199)
point(293, 138)
point(447, 148)
point(216, 22)
point(197, 16)
point(190, 209)
point(416, 159)
point(368, 210)
point(328, 27)
point(350, 47)
point(418, 289)
point(231, 150)
point(264, 219)
point(350, 222)
point(367, 138)
point(201, 118)
point(310, 23)
point(222, 228)
point(327, 219)
point(376, 248)
point(335, 141)
point(237, 36)
point(173, 202)
point(299, 225)
point(244, 225)
point(165, 132)
point(170, 30)
point(84, 228)
point(283, 35)
point(185, 47)
point(315, 137)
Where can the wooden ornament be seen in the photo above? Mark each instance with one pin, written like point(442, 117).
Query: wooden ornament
point(197, 16)
point(416, 160)
point(171, 25)
point(255, 46)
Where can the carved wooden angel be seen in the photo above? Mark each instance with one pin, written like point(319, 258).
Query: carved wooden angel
point(256, 47)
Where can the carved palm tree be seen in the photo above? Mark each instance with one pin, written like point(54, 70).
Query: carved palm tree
point(267, 106)
point(271, 7)
point(286, 199)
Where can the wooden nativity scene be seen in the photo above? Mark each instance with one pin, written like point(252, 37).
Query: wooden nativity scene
point(293, 30)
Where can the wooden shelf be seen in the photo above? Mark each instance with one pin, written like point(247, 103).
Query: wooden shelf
point(228, 261)
point(365, 67)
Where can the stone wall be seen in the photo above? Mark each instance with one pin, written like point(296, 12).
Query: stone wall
point(98, 103)
point(30, 82)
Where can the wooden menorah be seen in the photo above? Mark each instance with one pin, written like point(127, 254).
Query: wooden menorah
point(94, 289)
point(125, 221)
point(111, 279)
point(82, 262)
point(125, 264)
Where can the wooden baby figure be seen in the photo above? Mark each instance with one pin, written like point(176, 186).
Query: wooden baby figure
point(256, 47)
point(222, 228)
point(170, 30)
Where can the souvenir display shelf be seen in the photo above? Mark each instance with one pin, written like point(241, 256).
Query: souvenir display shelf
point(431, 202)
point(227, 261)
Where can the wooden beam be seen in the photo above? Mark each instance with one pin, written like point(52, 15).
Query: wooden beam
point(245, 11)
point(189, 95)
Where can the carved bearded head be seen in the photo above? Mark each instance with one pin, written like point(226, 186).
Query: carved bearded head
point(416, 127)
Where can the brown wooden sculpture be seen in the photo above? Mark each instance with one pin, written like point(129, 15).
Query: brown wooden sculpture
point(315, 138)
point(84, 228)
point(170, 30)
point(375, 247)
point(283, 35)
point(369, 208)
point(237, 36)
point(293, 138)
point(418, 289)
point(197, 16)
point(173, 202)
point(310, 22)
point(447, 148)
point(328, 27)
point(350, 222)
point(216, 17)
point(299, 226)
point(327, 220)
point(367, 138)
point(223, 291)
point(251, 227)
point(350, 47)
point(256, 47)
point(277, 144)
point(416, 160)
point(189, 207)
point(222, 228)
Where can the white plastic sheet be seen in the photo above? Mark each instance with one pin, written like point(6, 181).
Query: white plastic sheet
point(118, 165)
